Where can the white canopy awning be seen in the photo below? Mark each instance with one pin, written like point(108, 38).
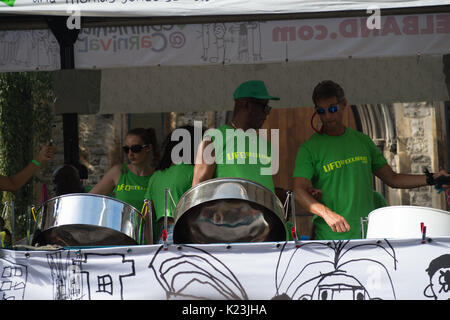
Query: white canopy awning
point(158, 8)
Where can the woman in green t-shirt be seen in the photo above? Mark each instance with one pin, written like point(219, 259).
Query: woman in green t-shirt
point(128, 182)
point(173, 175)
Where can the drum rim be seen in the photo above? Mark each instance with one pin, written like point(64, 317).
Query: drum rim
point(89, 195)
point(385, 209)
point(231, 179)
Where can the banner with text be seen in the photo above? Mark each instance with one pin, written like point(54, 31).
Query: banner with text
point(218, 44)
point(262, 42)
point(151, 8)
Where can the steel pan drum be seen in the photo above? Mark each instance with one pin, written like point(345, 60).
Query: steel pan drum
point(82, 219)
point(404, 222)
point(225, 210)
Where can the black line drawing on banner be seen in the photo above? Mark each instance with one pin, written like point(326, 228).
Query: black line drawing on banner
point(184, 275)
point(79, 278)
point(13, 280)
point(439, 273)
point(338, 276)
point(66, 276)
point(220, 41)
point(28, 48)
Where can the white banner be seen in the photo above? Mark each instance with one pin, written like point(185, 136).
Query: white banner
point(198, 7)
point(28, 50)
point(216, 44)
point(310, 270)
point(262, 42)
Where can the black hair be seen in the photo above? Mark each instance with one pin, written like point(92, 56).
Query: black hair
point(327, 89)
point(148, 136)
point(438, 263)
point(66, 179)
point(168, 145)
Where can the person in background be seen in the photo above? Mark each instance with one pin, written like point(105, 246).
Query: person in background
point(172, 175)
point(16, 181)
point(341, 162)
point(128, 181)
point(66, 180)
point(250, 111)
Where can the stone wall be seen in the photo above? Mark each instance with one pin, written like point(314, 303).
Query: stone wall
point(100, 140)
point(416, 149)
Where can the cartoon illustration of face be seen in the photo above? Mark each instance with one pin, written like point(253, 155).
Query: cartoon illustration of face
point(340, 277)
point(339, 286)
point(219, 30)
point(439, 273)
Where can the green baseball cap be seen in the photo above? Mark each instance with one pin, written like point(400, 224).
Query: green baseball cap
point(253, 89)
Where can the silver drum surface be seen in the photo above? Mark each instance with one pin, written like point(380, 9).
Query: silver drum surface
point(83, 219)
point(227, 210)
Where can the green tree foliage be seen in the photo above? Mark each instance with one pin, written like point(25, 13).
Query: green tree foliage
point(26, 115)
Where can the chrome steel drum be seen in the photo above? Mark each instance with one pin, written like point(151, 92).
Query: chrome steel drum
point(225, 210)
point(404, 222)
point(82, 219)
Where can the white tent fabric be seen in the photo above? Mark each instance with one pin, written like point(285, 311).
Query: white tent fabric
point(149, 8)
point(181, 89)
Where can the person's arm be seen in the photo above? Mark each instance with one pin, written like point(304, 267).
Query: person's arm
point(205, 166)
point(109, 181)
point(404, 181)
point(15, 182)
point(304, 195)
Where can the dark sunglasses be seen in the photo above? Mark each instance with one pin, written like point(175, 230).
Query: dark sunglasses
point(266, 107)
point(331, 109)
point(135, 149)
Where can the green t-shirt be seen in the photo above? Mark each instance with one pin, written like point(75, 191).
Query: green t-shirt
point(342, 167)
point(177, 178)
point(131, 188)
point(240, 154)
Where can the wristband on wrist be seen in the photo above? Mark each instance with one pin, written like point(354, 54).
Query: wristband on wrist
point(36, 163)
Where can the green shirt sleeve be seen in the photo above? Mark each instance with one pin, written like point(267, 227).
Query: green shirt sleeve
point(304, 166)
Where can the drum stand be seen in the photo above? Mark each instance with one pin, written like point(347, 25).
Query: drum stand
point(363, 220)
point(147, 211)
point(164, 233)
point(291, 201)
point(9, 205)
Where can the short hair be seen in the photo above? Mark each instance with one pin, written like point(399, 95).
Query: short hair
point(66, 179)
point(438, 263)
point(327, 89)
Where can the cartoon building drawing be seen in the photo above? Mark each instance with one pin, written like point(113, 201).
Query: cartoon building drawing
point(344, 275)
point(439, 273)
point(79, 278)
point(13, 279)
point(186, 275)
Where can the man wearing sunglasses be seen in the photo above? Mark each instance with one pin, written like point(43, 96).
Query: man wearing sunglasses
point(250, 111)
point(341, 162)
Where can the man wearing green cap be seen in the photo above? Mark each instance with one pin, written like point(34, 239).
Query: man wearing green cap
point(235, 149)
